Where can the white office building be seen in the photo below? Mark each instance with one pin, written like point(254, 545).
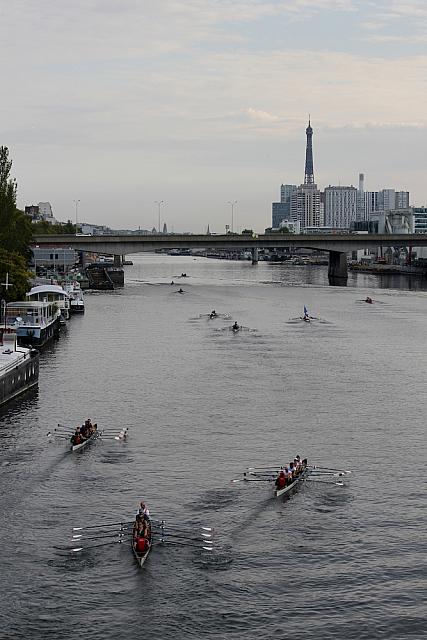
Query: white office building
point(340, 206)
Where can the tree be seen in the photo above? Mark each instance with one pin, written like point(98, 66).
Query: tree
point(15, 226)
point(44, 227)
point(16, 266)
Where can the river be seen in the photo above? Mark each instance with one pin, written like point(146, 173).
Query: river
point(347, 390)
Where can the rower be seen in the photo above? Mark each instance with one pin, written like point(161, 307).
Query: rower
point(291, 470)
point(281, 480)
point(141, 544)
point(368, 300)
point(180, 290)
point(212, 314)
point(235, 326)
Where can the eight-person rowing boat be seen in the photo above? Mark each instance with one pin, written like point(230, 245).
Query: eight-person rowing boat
point(290, 476)
point(285, 478)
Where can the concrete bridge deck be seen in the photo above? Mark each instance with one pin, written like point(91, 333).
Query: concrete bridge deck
point(338, 245)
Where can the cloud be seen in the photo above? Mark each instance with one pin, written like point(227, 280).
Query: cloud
point(263, 116)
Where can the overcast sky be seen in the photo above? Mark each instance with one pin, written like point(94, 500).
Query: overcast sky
point(119, 103)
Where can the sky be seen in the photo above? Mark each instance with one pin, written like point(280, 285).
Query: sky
point(199, 103)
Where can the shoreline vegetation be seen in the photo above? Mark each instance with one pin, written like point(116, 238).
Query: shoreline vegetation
point(16, 233)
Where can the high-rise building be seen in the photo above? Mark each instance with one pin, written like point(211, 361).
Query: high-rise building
point(281, 211)
point(340, 206)
point(360, 207)
point(306, 205)
point(402, 199)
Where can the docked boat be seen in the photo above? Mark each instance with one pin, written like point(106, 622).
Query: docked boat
point(74, 290)
point(52, 293)
point(35, 322)
point(19, 368)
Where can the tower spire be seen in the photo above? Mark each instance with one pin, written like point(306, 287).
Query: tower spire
point(309, 172)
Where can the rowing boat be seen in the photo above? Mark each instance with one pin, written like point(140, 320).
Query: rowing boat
point(81, 445)
point(289, 487)
point(141, 557)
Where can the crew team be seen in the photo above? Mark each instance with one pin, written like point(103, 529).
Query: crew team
point(289, 474)
point(83, 433)
point(142, 529)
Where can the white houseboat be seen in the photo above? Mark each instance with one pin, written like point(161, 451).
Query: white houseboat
point(35, 322)
point(52, 293)
point(19, 367)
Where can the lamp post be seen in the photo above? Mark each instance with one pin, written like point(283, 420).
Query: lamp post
point(232, 203)
point(76, 202)
point(6, 285)
point(159, 204)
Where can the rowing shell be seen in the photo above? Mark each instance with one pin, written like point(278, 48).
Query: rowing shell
point(289, 487)
point(76, 447)
point(141, 557)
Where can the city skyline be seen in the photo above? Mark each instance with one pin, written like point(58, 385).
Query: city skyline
point(198, 104)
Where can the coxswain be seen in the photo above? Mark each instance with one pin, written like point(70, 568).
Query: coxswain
point(172, 282)
point(180, 290)
point(143, 510)
point(235, 326)
point(212, 314)
point(281, 480)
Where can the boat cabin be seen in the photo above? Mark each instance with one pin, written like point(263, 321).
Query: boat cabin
point(52, 293)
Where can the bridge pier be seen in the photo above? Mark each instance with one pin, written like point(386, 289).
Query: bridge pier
point(337, 272)
point(255, 255)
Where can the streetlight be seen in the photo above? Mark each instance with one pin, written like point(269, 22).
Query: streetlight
point(76, 202)
point(6, 285)
point(159, 204)
point(232, 203)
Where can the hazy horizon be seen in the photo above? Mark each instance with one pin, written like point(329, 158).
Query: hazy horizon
point(202, 102)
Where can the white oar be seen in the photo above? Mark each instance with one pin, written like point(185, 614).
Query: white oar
point(326, 474)
point(316, 468)
point(103, 524)
point(338, 484)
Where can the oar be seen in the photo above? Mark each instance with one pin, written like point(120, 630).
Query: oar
point(58, 435)
point(121, 532)
point(261, 472)
point(104, 524)
point(326, 474)
point(166, 534)
point(277, 468)
point(165, 523)
point(95, 546)
point(316, 468)
point(339, 484)
point(186, 544)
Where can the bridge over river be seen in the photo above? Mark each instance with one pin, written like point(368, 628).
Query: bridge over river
point(338, 245)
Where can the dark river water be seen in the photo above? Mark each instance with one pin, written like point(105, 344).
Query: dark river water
point(347, 390)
